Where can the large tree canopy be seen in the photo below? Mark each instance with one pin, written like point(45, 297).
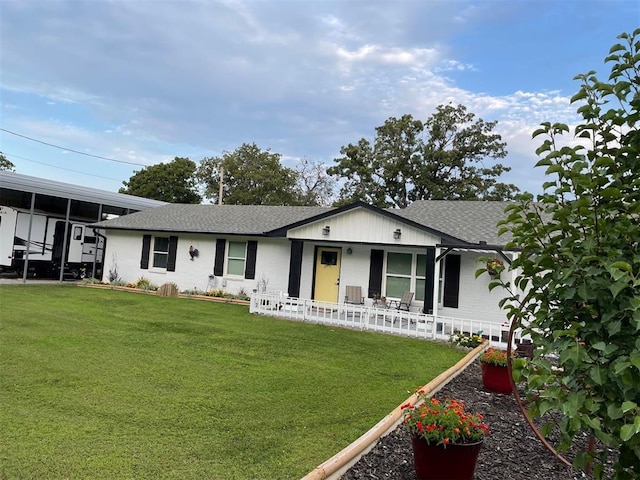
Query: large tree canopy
point(440, 159)
point(173, 182)
point(6, 164)
point(251, 176)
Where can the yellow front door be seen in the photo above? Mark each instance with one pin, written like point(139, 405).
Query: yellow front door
point(327, 281)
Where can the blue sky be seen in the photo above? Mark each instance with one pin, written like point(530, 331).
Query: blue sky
point(143, 81)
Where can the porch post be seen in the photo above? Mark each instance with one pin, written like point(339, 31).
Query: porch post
point(436, 290)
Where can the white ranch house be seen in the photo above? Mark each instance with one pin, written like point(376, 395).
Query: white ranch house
point(298, 261)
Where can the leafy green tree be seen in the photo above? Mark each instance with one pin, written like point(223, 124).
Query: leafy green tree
point(254, 177)
point(577, 284)
point(251, 176)
point(173, 182)
point(441, 158)
point(6, 164)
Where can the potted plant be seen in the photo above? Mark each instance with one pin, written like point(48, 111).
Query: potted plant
point(446, 439)
point(495, 266)
point(495, 374)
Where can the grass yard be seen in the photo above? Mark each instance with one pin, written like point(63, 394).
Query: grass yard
point(109, 384)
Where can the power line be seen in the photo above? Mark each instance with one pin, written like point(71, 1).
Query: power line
point(71, 149)
point(61, 168)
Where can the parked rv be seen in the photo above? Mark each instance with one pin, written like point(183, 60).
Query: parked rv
point(46, 249)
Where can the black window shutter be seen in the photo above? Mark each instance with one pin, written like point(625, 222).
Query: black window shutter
point(173, 249)
point(250, 266)
point(218, 266)
point(295, 268)
point(451, 281)
point(428, 284)
point(375, 273)
point(146, 246)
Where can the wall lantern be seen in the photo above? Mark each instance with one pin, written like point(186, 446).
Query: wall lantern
point(349, 251)
point(326, 230)
point(397, 233)
point(193, 252)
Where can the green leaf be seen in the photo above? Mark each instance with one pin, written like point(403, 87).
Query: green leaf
point(622, 266)
point(614, 327)
point(545, 147)
point(616, 288)
point(616, 48)
point(614, 412)
point(629, 430)
point(628, 405)
point(598, 375)
point(599, 346)
point(554, 168)
point(621, 367)
point(579, 96)
point(540, 131)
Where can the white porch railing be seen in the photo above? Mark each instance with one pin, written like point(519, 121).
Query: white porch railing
point(363, 317)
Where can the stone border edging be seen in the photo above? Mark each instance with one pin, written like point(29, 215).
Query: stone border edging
point(343, 460)
point(206, 298)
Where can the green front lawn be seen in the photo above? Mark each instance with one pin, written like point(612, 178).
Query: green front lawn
point(108, 384)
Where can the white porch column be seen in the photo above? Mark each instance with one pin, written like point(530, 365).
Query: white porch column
point(436, 290)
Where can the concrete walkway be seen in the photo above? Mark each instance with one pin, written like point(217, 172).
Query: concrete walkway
point(13, 280)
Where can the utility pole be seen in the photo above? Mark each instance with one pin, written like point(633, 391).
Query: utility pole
point(221, 185)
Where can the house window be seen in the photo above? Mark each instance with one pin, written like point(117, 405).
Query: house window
point(405, 273)
point(160, 252)
point(398, 274)
point(236, 258)
point(329, 258)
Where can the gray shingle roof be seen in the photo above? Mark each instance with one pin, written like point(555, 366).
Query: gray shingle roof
point(470, 221)
point(230, 219)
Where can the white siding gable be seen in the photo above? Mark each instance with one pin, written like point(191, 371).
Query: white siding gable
point(363, 226)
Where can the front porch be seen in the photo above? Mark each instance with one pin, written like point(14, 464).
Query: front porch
point(373, 318)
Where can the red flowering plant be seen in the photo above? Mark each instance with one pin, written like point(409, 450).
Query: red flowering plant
point(494, 356)
point(443, 422)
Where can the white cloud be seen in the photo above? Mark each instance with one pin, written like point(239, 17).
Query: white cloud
point(304, 78)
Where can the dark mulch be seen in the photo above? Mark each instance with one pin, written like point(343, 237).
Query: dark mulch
point(511, 451)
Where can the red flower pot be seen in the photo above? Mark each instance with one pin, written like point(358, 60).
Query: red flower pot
point(495, 378)
point(435, 462)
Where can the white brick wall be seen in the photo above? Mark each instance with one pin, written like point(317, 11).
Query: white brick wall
point(272, 261)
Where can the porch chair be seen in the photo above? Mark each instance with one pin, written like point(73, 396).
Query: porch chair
point(403, 304)
point(353, 295)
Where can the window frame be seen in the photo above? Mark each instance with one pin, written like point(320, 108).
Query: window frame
point(154, 252)
point(414, 276)
point(229, 258)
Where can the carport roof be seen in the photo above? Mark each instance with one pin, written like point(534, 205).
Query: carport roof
point(42, 186)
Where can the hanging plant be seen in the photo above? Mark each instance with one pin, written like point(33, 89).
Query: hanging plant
point(495, 266)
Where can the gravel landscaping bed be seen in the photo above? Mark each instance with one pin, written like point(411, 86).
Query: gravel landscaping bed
point(511, 451)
